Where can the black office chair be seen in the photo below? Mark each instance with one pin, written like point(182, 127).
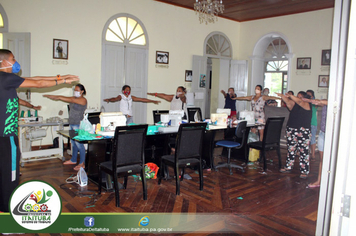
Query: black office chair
point(271, 140)
point(188, 152)
point(240, 133)
point(127, 157)
point(157, 115)
point(194, 112)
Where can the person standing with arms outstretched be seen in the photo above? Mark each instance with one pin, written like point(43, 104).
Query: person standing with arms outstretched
point(9, 107)
point(125, 98)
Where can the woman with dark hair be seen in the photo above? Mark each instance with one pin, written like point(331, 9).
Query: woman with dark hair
point(298, 131)
point(258, 106)
point(125, 98)
point(77, 106)
point(178, 101)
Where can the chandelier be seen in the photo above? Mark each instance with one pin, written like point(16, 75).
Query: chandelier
point(208, 10)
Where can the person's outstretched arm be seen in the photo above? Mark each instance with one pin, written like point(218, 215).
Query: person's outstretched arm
point(114, 99)
point(145, 100)
point(224, 93)
point(81, 100)
point(164, 96)
point(39, 83)
point(57, 77)
point(29, 105)
point(289, 103)
point(247, 98)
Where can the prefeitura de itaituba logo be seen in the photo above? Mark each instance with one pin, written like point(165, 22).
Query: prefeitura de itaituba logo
point(35, 205)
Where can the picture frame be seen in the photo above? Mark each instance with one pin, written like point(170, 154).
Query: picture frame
point(325, 57)
point(162, 57)
point(323, 81)
point(202, 81)
point(60, 49)
point(304, 63)
point(188, 75)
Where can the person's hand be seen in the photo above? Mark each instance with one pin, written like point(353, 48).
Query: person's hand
point(279, 94)
point(152, 94)
point(222, 91)
point(71, 79)
point(37, 107)
point(106, 100)
point(156, 102)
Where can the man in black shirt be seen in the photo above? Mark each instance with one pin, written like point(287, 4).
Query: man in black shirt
point(9, 105)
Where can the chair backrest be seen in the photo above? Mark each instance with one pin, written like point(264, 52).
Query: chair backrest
point(128, 145)
point(192, 111)
point(190, 140)
point(157, 115)
point(241, 129)
point(272, 132)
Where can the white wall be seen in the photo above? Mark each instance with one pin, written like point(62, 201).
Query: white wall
point(308, 33)
point(172, 29)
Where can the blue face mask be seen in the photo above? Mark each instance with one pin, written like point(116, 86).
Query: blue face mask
point(16, 67)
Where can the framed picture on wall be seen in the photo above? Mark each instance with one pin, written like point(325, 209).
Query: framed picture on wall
point(202, 81)
point(323, 81)
point(325, 57)
point(188, 76)
point(304, 63)
point(60, 49)
point(162, 57)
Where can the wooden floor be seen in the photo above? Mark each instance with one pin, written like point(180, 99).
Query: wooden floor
point(268, 203)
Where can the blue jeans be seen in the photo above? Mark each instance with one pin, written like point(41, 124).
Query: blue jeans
point(77, 146)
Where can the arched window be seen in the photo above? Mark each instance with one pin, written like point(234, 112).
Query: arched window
point(276, 66)
point(125, 30)
point(218, 45)
point(270, 63)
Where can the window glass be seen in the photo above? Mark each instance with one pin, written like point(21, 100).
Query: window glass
point(125, 29)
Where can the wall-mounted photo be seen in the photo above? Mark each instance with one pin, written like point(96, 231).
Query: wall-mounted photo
point(188, 76)
point(304, 63)
point(325, 57)
point(60, 49)
point(162, 57)
point(323, 81)
point(202, 81)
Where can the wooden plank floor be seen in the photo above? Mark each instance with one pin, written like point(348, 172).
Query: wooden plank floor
point(259, 204)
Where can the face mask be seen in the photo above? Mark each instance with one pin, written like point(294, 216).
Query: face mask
point(127, 93)
point(77, 94)
point(257, 91)
point(178, 93)
point(265, 93)
point(16, 67)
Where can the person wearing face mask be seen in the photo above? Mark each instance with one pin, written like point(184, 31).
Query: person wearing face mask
point(77, 107)
point(258, 106)
point(9, 107)
point(125, 98)
point(178, 101)
point(270, 102)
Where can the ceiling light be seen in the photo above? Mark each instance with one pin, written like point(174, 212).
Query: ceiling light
point(208, 10)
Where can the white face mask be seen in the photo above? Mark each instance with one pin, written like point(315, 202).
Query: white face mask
point(77, 94)
point(178, 93)
point(265, 93)
point(257, 91)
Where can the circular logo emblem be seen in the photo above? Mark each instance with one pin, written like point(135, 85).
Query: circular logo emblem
point(35, 205)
